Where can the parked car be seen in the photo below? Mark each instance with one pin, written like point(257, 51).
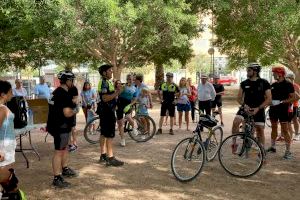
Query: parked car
point(227, 80)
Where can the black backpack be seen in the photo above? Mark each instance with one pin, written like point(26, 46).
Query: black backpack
point(17, 105)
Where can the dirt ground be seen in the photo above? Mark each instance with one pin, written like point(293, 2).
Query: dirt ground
point(147, 172)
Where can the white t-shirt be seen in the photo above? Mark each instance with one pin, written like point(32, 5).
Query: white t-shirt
point(20, 92)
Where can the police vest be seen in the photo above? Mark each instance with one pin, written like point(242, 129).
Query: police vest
point(111, 88)
point(168, 88)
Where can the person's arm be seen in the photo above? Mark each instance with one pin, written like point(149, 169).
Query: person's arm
point(212, 92)
point(69, 112)
point(222, 91)
point(240, 96)
point(159, 91)
point(3, 114)
point(267, 102)
point(36, 91)
point(150, 99)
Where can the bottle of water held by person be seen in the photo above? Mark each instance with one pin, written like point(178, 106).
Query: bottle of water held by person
point(30, 117)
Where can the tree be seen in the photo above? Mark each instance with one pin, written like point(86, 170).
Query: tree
point(263, 31)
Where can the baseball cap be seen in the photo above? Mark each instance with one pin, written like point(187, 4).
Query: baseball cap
point(204, 76)
point(169, 74)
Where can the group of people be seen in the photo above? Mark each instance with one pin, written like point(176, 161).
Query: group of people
point(255, 94)
point(185, 96)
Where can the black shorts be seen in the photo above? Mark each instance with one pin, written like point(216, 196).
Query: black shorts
point(279, 113)
point(170, 107)
point(61, 141)
point(122, 103)
point(108, 123)
point(259, 118)
point(216, 102)
point(293, 114)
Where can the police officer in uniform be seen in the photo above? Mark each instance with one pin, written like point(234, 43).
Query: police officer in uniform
point(106, 111)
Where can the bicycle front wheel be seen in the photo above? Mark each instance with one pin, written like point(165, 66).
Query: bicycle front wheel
point(92, 130)
point(145, 126)
point(213, 143)
point(188, 159)
point(241, 156)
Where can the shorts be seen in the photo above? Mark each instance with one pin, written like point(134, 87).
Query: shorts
point(142, 111)
point(108, 123)
point(122, 103)
point(183, 107)
point(259, 118)
point(216, 103)
point(293, 114)
point(61, 141)
point(170, 107)
point(279, 113)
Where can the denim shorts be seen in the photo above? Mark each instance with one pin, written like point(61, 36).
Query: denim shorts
point(183, 107)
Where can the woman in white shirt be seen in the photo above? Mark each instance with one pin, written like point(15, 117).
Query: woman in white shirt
point(19, 90)
point(183, 103)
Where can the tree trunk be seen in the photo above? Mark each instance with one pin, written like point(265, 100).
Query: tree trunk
point(159, 75)
point(294, 67)
point(117, 70)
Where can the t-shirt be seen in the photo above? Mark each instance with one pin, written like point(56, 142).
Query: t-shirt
point(296, 88)
point(143, 103)
point(57, 122)
point(73, 91)
point(254, 91)
point(193, 96)
point(139, 89)
point(169, 91)
point(129, 92)
point(20, 92)
point(218, 88)
point(87, 96)
point(106, 87)
point(42, 91)
point(282, 90)
point(184, 98)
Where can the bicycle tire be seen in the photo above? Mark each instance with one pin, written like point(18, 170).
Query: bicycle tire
point(211, 144)
point(252, 152)
point(92, 138)
point(188, 152)
point(143, 135)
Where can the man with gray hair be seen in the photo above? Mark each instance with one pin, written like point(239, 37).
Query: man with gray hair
point(206, 94)
point(42, 90)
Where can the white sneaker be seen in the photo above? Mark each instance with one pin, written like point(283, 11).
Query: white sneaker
point(297, 137)
point(123, 143)
point(135, 132)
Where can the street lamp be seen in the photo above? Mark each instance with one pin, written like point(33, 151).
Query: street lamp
point(211, 52)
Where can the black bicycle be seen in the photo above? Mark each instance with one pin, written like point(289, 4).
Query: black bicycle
point(145, 126)
point(241, 155)
point(190, 154)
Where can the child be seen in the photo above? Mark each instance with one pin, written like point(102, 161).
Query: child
point(91, 113)
point(143, 105)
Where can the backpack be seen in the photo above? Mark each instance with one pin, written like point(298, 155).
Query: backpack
point(17, 105)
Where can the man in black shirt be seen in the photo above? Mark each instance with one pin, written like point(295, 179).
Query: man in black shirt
point(59, 125)
point(219, 88)
point(166, 93)
point(283, 95)
point(254, 95)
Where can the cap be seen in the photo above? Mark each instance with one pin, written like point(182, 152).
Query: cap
point(216, 76)
point(169, 74)
point(204, 76)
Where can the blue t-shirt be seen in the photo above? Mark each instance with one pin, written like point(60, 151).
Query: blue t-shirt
point(87, 96)
point(139, 89)
point(42, 91)
point(129, 92)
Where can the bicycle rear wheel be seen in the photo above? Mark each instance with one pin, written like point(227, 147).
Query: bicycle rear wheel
point(92, 130)
point(241, 156)
point(188, 159)
point(213, 143)
point(146, 128)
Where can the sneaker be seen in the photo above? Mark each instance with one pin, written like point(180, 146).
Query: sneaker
point(297, 137)
point(271, 150)
point(159, 131)
point(171, 132)
point(72, 147)
point(103, 158)
point(68, 172)
point(122, 142)
point(135, 132)
point(234, 148)
point(288, 155)
point(59, 182)
point(114, 162)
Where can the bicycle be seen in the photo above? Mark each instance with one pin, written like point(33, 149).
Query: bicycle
point(194, 149)
point(241, 155)
point(92, 136)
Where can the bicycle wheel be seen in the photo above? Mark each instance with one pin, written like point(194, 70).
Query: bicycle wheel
point(213, 143)
point(92, 130)
point(268, 121)
point(188, 159)
point(145, 126)
point(241, 156)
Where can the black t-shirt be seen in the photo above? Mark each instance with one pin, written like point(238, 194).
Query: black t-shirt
point(57, 122)
point(169, 91)
point(73, 92)
point(218, 88)
point(254, 91)
point(282, 90)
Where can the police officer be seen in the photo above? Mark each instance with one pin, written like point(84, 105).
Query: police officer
point(106, 111)
point(167, 93)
